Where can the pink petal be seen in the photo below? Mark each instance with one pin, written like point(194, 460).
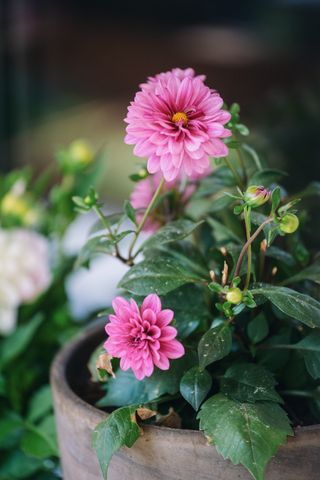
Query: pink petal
point(162, 362)
point(153, 302)
point(164, 318)
point(118, 303)
point(172, 349)
point(168, 333)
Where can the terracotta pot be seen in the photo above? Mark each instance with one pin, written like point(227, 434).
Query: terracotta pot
point(161, 453)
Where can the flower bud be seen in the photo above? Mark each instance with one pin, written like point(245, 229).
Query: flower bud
point(80, 154)
point(289, 223)
point(14, 205)
point(255, 196)
point(19, 207)
point(90, 200)
point(234, 295)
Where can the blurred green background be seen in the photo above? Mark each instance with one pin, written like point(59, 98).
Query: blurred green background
point(69, 70)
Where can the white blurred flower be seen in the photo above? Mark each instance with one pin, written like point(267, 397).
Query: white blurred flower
point(24, 272)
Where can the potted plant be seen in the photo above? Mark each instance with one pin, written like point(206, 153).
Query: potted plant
point(217, 329)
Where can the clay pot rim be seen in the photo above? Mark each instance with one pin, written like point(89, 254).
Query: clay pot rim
point(60, 383)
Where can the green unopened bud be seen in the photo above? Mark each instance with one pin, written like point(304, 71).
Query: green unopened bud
point(234, 295)
point(255, 196)
point(143, 173)
point(289, 223)
point(80, 153)
point(91, 198)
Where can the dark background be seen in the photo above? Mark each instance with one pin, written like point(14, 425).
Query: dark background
point(69, 69)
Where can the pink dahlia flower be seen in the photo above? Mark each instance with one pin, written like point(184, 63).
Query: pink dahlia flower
point(142, 338)
point(176, 121)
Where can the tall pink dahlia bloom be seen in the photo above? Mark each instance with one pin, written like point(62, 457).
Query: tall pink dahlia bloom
point(176, 121)
point(142, 338)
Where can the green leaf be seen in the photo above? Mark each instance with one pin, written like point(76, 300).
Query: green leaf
point(100, 244)
point(221, 233)
point(40, 404)
point(310, 273)
point(313, 189)
point(195, 385)
point(97, 375)
point(220, 203)
point(247, 382)
point(266, 177)
point(158, 275)
point(245, 433)
point(215, 344)
point(2, 385)
point(276, 198)
point(130, 211)
point(253, 155)
point(235, 109)
point(242, 129)
point(171, 232)
point(126, 389)
point(301, 307)
point(113, 219)
point(190, 308)
point(280, 255)
point(310, 348)
point(258, 328)
point(78, 201)
point(11, 427)
point(221, 179)
point(288, 206)
point(18, 341)
point(40, 441)
point(118, 430)
point(18, 465)
point(275, 359)
point(186, 254)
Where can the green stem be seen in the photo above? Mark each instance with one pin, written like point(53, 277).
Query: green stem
point(107, 226)
point(247, 221)
point(104, 221)
point(247, 245)
point(145, 217)
point(234, 172)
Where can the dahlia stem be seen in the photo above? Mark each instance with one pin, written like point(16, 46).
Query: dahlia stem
point(145, 217)
point(247, 221)
point(104, 220)
point(107, 226)
point(247, 245)
point(234, 172)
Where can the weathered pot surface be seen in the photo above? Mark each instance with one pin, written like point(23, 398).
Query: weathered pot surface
point(161, 453)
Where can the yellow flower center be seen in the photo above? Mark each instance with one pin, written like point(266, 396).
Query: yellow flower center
point(180, 117)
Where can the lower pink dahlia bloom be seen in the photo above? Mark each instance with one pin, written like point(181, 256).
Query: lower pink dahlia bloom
point(176, 121)
point(142, 338)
